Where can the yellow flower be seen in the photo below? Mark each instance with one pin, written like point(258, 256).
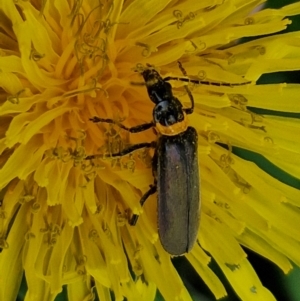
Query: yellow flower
point(64, 219)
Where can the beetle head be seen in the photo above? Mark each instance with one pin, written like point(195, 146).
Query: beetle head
point(158, 89)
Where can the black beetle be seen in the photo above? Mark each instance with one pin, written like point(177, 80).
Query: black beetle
point(175, 162)
point(175, 166)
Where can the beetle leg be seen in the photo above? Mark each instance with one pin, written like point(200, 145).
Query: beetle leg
point(134, 129)
point(151, 191)
point(186, 87)
point(125, 151)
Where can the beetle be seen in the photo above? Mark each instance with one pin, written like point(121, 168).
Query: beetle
point(174, 165)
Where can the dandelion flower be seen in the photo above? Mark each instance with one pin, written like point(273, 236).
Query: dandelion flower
point(64, 219)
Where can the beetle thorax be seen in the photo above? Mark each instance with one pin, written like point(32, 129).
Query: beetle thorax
point(169, 117)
